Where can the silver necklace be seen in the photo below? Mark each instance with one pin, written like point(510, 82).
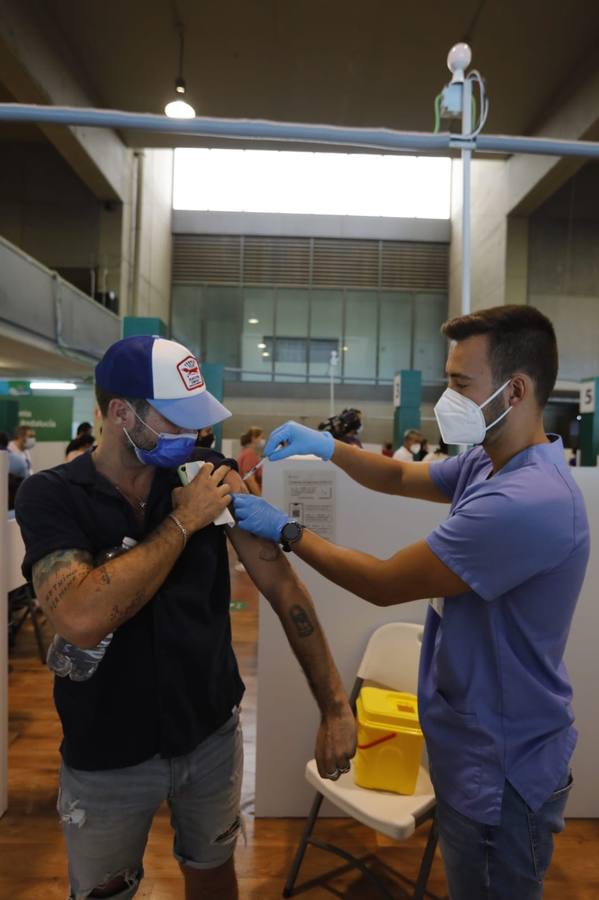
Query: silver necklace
point(141, 502)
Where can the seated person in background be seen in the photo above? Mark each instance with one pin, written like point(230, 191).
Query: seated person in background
point(82, 428)
point(387, 448)
point(439, 454)
point(252, 444)
point(412, 444)
point(80, 445)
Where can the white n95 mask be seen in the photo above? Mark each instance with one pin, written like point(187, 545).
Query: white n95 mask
point(461, 420)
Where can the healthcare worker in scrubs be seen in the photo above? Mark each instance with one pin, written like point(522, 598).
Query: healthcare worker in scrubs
point(509, 562)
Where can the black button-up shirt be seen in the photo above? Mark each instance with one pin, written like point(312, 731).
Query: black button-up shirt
point(169, 677)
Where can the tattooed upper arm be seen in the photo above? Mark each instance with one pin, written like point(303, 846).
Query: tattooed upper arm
point(55, 574)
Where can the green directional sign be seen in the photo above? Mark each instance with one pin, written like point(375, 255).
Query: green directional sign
point(50, 417)
point(18, 388)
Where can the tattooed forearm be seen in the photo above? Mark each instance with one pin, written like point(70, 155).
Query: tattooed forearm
point(61, 561)
point(56, 592)
point(301, 621)
point(119, 614)
point(55, 574)
point(101, 577)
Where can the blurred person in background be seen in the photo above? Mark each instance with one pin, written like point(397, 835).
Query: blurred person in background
point(80, 445)
point(439, 454)
point(22, 443)
point(83, 428)
point(252, 445)
point(17, 470)
point(345, 427)
point(205, 437)
point(412, 445)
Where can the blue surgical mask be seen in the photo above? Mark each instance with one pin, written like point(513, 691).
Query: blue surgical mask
point(171, 450)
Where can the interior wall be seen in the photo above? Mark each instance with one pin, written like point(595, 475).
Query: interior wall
point(152, 291)
point(563, 271)
point(46, 210)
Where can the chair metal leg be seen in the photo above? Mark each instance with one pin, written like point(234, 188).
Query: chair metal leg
point(299, 856)
point(356, 864)
point(427, 861)
point(33, 612)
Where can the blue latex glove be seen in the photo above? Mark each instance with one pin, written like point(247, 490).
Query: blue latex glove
point(257, 516)
point(299, 441)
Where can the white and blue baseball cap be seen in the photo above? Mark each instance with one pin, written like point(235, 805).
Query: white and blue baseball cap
point(166, 374)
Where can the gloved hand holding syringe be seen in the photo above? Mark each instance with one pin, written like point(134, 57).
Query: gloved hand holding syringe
point(259, 465)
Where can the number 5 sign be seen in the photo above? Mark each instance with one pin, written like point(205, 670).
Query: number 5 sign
point(587, 396)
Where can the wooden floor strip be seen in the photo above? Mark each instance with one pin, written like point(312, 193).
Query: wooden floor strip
point(32, 859)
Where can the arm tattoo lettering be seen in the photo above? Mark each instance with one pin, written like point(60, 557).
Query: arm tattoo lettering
point(300, 619)
point(118, 614)
point(56, 573)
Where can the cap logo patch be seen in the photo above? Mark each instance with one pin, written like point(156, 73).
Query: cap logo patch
point(189, 370)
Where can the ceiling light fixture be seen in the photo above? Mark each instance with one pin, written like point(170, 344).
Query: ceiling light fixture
point(253, 321)
point(265, 355)
point(261, 346)
point(52, 386)
point(179, 108)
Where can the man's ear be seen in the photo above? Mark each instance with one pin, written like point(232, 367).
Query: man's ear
point(522, 387)
point(118, 410)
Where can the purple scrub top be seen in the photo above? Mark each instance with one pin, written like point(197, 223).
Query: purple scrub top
point(494, 693)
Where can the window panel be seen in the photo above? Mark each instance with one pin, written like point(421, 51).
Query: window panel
point(395, 335)
point(359, 349)
point(221, 321)
point(290, 363)
point(257, 322)
point(186, 317)
point(326, 330)
point(430, 346)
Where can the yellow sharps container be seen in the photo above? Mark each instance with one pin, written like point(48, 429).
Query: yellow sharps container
point(390, 741)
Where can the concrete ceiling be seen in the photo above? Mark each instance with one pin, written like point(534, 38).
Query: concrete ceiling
point(21, 359)
point(333, 61)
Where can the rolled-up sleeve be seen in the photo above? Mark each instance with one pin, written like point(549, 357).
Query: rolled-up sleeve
point(497, 539)
point(445, 474)
point(46, 519)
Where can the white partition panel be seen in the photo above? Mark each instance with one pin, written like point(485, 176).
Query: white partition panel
point(287, 715)
point(582, 660)
point(378, 524)
point(4, 555)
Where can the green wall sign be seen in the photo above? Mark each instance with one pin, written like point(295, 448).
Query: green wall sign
point(50, 417)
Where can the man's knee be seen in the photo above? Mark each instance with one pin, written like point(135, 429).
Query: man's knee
point(120, 886)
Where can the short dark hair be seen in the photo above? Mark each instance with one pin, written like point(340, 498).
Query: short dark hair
point(84, 440)
point(103, 399)
point(84, 427)
point(521, 339)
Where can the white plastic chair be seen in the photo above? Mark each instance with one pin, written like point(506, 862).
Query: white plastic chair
point(390, 660)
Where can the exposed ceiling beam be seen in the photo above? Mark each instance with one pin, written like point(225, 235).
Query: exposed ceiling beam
point(36, 67)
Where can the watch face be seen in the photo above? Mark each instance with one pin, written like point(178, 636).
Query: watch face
point(291, 531)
